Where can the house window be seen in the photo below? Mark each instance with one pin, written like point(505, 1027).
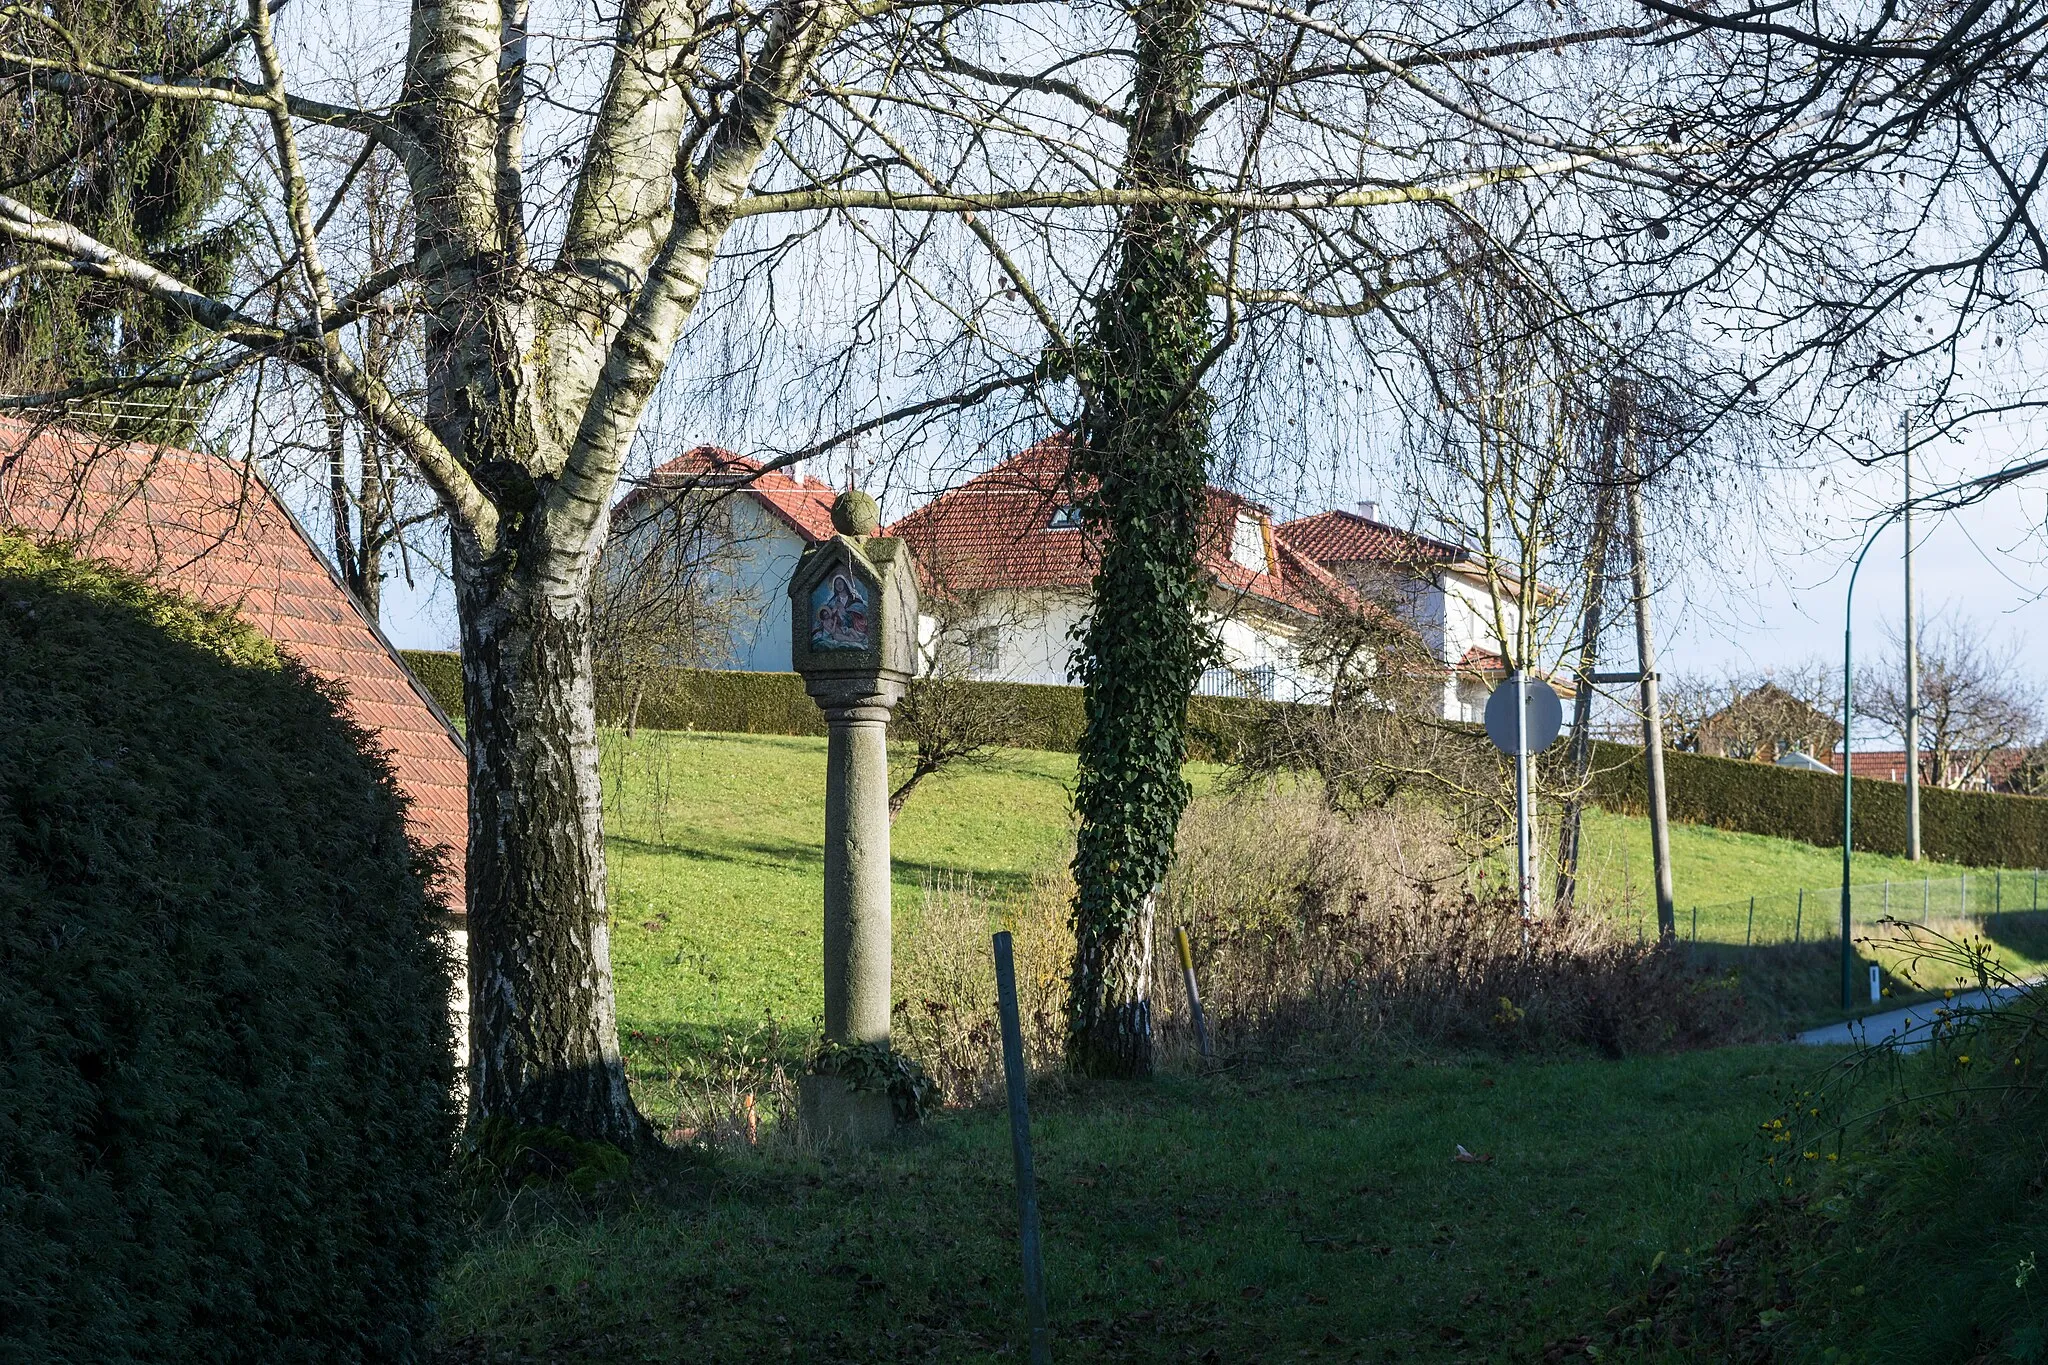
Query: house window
point(1066, 517)
point(985, 649)
point(1248, 542)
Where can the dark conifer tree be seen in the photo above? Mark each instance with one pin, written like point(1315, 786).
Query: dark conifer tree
point(142, 175)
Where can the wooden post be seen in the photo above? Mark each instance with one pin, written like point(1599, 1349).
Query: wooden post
point(1020, 1148)
point(1653, 719)
point(1798, 915)
point(1187, 975)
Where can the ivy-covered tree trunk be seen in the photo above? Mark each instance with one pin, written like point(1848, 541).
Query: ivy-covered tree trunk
point(1144, 448)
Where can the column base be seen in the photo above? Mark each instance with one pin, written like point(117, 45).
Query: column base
point(830, 1113)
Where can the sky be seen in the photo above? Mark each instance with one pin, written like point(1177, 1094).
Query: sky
point(1773, 597)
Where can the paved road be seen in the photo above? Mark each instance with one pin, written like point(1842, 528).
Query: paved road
point(1910, 1026)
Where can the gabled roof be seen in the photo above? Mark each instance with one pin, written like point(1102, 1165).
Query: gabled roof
point(1487, 663)
point(211, 529)
point(803, 504)
point(1342, 537)
point(996, 531)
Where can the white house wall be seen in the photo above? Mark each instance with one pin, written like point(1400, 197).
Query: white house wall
point(766, 557)
point(753, 587)
point(1034, 633)
point(1468, 623)
point(1251, 642)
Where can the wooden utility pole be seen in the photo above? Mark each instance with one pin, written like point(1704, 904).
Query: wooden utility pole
point(1912, 683)
point(1569, 827)
point(1653, 718)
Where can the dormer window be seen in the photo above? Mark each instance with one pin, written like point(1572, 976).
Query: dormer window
point(1248, 542)
point(1065, 518)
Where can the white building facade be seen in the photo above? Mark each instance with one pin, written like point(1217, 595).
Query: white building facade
point(1443, 591)
point(1007, 568)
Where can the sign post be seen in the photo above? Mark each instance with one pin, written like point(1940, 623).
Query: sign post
point(1523, 717)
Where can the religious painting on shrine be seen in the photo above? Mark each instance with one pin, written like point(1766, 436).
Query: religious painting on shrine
point(840, 612)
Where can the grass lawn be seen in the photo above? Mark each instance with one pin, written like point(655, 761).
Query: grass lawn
point(1309, 1208)
point(1275, 1212)
point(716, 863)
point(716, 869)
point(1718, 871)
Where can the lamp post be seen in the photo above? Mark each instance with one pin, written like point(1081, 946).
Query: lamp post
point(1848, 719)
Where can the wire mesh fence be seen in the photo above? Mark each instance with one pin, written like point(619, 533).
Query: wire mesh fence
point(1814, 914)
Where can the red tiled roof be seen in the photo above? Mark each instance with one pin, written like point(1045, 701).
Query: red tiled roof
point(1347, 538)
point(1885, 765)
point(211, 529)
point(1489, 663)
point(994, 532)
point(802, 503)
point(1889, 765)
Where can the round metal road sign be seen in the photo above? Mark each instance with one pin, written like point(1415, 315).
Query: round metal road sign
point(1543, 715)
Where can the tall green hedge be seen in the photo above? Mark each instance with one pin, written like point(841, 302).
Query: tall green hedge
point(1982, 829)
point(225, 1092)
point(776, 704)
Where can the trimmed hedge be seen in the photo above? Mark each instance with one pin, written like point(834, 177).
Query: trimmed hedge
point(226, 1109)
point(1976, 828)
point(440, 672)
point(1983, 829)
point(776, 704)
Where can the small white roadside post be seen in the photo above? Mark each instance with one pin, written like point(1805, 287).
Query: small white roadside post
point(1523, 717)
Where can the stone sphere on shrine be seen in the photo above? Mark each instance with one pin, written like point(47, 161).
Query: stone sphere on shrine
point(854, 513)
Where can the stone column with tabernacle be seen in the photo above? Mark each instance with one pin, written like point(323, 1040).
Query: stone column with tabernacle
point(853, 612)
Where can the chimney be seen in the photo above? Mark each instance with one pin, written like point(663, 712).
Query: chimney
point(1369, 510)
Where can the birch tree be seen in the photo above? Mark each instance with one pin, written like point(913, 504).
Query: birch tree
point(552, 286)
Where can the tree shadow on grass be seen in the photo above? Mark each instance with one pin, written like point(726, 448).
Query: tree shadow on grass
point(808, 859)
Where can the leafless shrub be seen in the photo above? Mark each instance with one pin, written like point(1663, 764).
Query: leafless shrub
point(948, 717)
point(945, 1014)
point(664, 595)
point(1754, 716)
point(738, 1093)
point(1978, 702)
point(1381, 735)
point(1305, 922)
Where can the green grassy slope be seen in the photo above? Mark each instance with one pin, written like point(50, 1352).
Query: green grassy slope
point(1717, 871)
point(716, 861)
point(1262, 1214)
point(716, 865)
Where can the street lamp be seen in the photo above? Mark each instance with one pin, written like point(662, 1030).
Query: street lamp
point(1848, 719)
point(1982, 485)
